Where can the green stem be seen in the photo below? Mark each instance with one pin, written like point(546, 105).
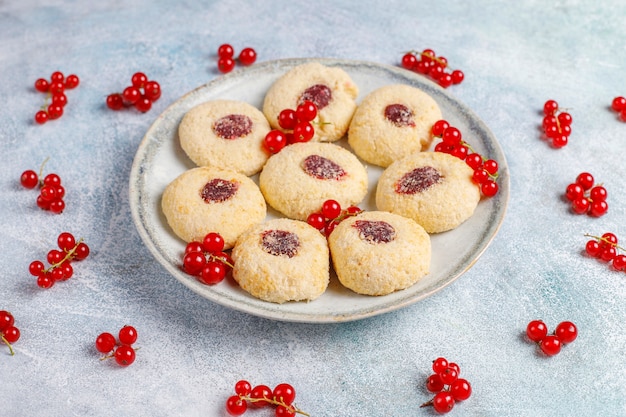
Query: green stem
point(6, 342)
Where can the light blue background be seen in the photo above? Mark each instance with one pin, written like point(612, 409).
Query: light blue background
point(515, 55)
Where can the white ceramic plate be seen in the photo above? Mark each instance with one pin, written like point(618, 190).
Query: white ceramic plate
point(160, 159)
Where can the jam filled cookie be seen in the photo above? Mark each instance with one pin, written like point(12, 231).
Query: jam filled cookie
point(225, 134)
point(331, 89)
point(392, 122)
point(433, 188)
point(282, 260)
point(377, 253)
point(207, 199)
point(297, 180)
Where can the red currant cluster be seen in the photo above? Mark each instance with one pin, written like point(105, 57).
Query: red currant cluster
point(298, 125)
point(428, 63)
point(60, 268)
point(557, 124)
point(226, 62)
point(619, 105)
point(485, 170)
point(605, 248)
point(565, 332)
point(51, 191)
point(330, 216)
point(446, 385)
point(8, 332)
point(123, 352)
point(140, 94)
point(587, 197)
point(260, 396)
point(207, 259)
point(55, 90)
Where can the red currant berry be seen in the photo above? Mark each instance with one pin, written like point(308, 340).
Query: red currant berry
point(303, 132)
point(225, 65)
point(585, 180)
point(457, 77)
point(550, 107)
point(330, 227)
point(55, 111)
point(29, 179)
point(81, 252)
point(124, 355)
point(287, 119)
point(57, 77)
point(443, 402)
point(57, 274)
point(451, 136)
point(55, 256)
point(143, 104)
point(127, 335)
point(565, 119)
point(131, 95)
point(608, 253)
point(439, 127)
point(236, 406)
point(474, 161)
point(57, 87)
point(247, 56)
point(67, 269)
point(42, 85)
point(213, 242)
point(574, 191)
point(105, 342)
point(225, 51)
point(6, 320)
point(243, 387)
point(152, 90)
point(434, 383)
point(460, 389)
point(459, 151)
point(275, 141)
point(258, 393)
point(619, 262)
point(285, 411)
point(45, 281)
point(316, 220)
point(72, 81)
point(550, 345)
point(66, 241)
point(284, 393)
point(193, 247)
point(11, 334)
point(580, 205)
point(489, 188)
point(593, 248)
point(566, 332)
point(409, 60)
point(490, 166)
point(331, 209)
point(439, 365)
point(306, 112)
point(598, 208)
point(435, 72)
point(598, 193)
point(445, 80)
point(59, 99)
point(41, 117)
point(36, 268)
point(138, 79)
point(115, 101)
point(560, 141)
point(193, 262)
point(213, 272)
point(536, 330)
point(618, 103)
point(448, 375)
point(609, 239)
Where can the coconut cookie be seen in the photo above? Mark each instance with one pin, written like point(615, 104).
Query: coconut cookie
point(297, 180)
point(207, 199)
point(377, 253)
point(331, 89)
point(282, 260)
point(225, 134)
point(433, 188)
point(392, 122)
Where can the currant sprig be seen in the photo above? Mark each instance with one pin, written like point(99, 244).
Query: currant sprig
point(140, 94)
point(485, 170)
point(550, 344)
point(55, 95)
point(436, 67)
point(51, 192)
point(226, 60)
point(330, 215)
point(8, 332)
point(60, 268)
point(557, 124)
point(446, 385)
point(282, 396)
point(123, 352)
point(207, 260)
point(606, 248)
point(297, 125)
point(587, 197)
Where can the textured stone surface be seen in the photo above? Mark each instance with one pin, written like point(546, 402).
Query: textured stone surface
point(515, 56)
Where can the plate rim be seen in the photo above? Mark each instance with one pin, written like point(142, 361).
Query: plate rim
point(274, 313)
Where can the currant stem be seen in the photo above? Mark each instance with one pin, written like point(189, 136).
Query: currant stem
point(68, 255)
point(434, 58)
point(112, 355)
point(428, 403)
point(217, 258)
point(600, 238)
point(41, 171)
point(274, 402)
point(468, 146)
point(6, 342)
